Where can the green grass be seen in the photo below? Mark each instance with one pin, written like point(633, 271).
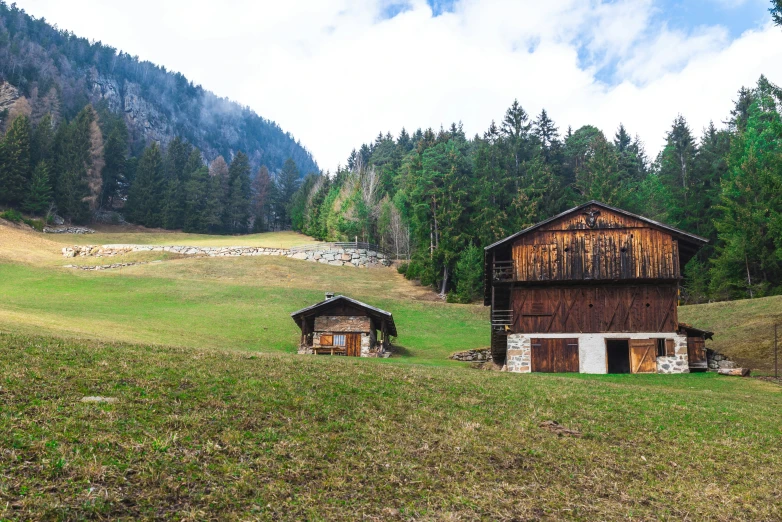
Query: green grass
point(236, 303)
point(203, 434)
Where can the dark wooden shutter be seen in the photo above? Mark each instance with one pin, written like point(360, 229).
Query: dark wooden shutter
point(555, 355)
point(670, 348)
point(643, 356)
point(696, 352)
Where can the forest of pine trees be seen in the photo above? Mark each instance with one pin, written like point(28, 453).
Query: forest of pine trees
point(438, 198)
point(81, 168)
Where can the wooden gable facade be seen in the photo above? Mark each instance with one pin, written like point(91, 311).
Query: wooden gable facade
point(592, 269)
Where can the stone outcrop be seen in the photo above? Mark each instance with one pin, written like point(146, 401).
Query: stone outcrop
point(481, 355)
point(360, 258)
point(718, 361)
point(8, 96)
point(67, 230)
point(103, 267)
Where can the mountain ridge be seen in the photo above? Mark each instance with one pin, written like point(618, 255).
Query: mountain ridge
point(157, 104)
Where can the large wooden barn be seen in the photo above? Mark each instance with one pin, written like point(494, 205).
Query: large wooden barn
point(339, 325)
point(592, 290)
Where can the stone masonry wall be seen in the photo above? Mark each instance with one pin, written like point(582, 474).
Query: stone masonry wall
point(519, 355)
point(355, 257)
point(679, 363)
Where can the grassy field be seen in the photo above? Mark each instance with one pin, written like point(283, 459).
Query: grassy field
point(200, 434)
point(237, 303)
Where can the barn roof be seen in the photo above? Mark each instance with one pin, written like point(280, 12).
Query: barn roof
point(372, 311)
point(681, 234)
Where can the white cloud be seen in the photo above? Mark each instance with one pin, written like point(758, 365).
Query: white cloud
point(334, 73)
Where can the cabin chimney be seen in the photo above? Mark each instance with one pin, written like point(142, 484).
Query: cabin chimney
point(329, 295)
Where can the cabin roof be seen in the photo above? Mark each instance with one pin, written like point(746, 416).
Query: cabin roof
point(686, 236)
point(372, 311)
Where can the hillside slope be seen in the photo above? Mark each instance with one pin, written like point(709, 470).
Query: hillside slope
point(743, 330)
point(43, 69)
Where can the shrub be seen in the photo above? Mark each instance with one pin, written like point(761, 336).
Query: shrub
point(12, 215)
point(402, 268)
point(469, 275)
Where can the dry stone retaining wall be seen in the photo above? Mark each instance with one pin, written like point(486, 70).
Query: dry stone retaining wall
point(331, 256)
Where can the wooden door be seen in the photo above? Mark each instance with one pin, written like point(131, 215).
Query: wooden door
point(353, 344)
point(555, 355)
point(643, 355)
point(696, 352)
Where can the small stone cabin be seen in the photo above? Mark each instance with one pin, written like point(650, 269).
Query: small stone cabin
point(340, 325)
point(592, 290)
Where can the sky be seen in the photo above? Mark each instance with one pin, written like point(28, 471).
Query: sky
point(334, 73)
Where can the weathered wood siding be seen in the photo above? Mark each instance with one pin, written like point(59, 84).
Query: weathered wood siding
point(616, 248)
point(554, 355)
point(339, 324)
point(595, 309)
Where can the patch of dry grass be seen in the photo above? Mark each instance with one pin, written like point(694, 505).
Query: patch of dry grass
point(743, 330)
point(212, 435)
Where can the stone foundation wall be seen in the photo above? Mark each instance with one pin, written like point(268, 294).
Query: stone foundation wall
point(679, 363)
point(355, 257)
point(592, 351)
point(519, 358)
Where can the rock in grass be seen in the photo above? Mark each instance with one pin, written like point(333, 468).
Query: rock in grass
point(100, 399)
point(737, 372)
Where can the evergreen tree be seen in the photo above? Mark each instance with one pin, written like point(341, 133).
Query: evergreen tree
point(287, 186)
point(196, 195)
point(676, 167)
point(145, 198)
point(115, 183)
point(776, 11)
point(469, 276)
point(15, 172)
point(42, 145)
point(39, 193)
point(237, 205)
point(750, 223)
point(261, 187)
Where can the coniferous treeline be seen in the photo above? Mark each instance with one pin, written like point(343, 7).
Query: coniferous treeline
point(83, 167)
point(438, 198)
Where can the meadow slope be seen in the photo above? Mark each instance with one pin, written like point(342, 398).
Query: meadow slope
point(202, 434)
point(231, 303)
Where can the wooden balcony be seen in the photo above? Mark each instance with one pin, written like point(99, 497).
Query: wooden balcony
point(503, 272)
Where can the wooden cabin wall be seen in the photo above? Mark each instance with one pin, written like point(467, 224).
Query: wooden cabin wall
point(595, 309)
point(596, 254)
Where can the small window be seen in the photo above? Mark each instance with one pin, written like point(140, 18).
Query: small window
point(339, 340)
point(660, 347)
point(665, 348)
point(326, 340)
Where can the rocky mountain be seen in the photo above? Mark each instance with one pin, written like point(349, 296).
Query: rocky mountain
point(45, 69)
